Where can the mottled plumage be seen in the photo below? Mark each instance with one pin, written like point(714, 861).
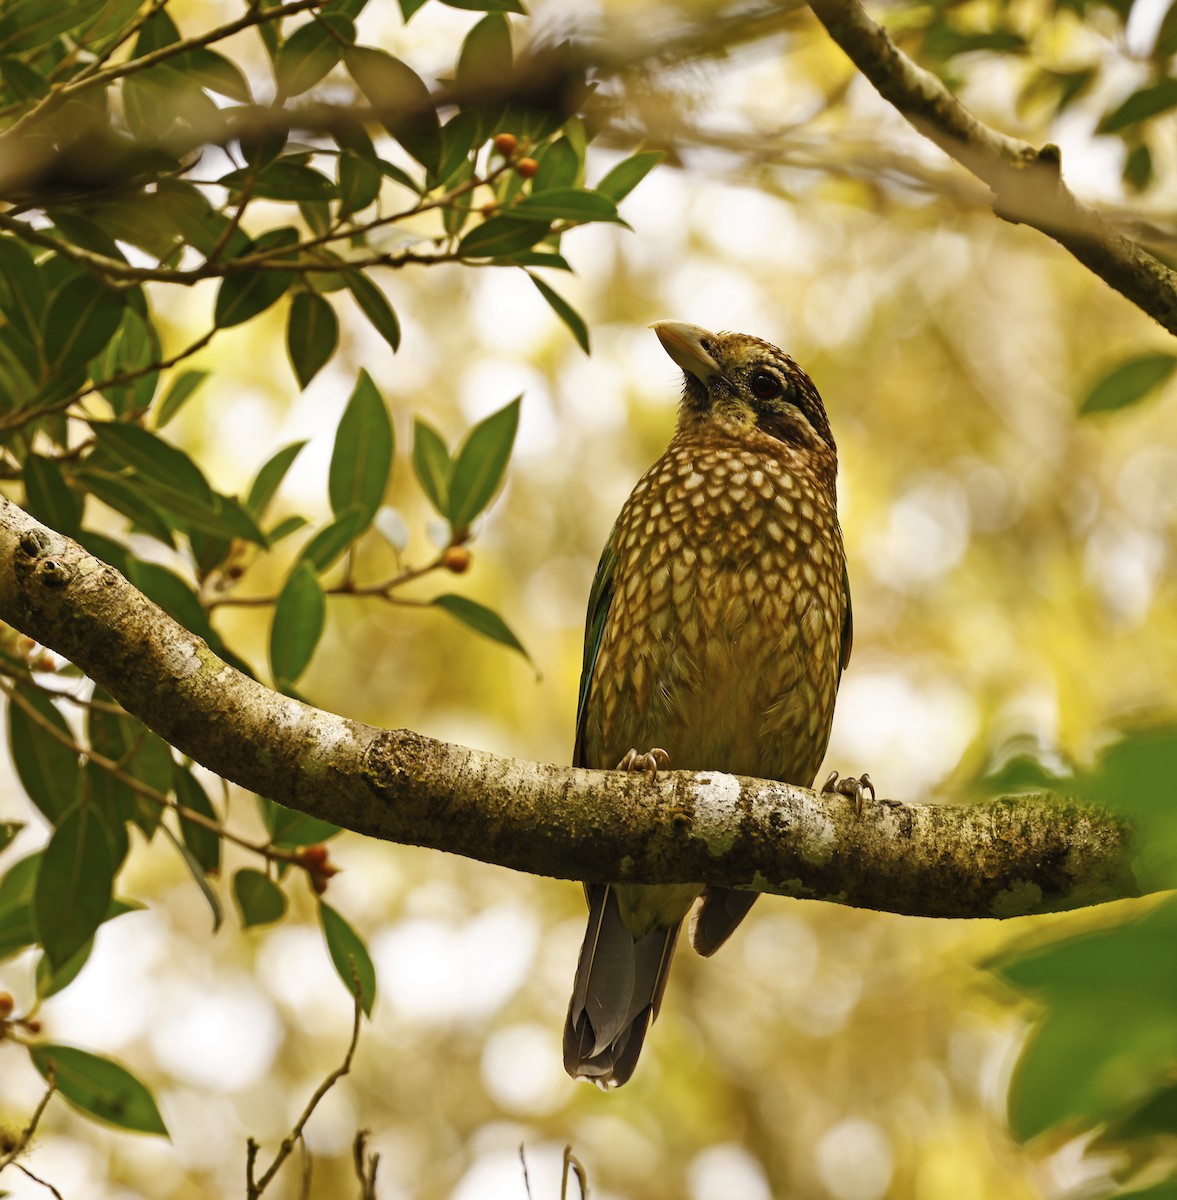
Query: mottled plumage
point(718, 627)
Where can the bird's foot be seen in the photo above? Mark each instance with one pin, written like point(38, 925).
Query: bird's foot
point(854, 787)
point(650, 761)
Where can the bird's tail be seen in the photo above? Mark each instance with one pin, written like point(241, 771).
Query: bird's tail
point(619, 984)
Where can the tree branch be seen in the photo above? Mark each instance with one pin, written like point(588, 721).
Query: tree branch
point(1026, 182)
point(1017, 855)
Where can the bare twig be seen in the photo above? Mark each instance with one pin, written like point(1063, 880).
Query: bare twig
point(573, 1166)
point(37, 1179)
point(255, 1187)
point(26, 1134)
point(1026, 181)
point(365, 1165)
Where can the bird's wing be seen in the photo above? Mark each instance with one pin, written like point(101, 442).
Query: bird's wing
point(847, 621)
point(600, 597)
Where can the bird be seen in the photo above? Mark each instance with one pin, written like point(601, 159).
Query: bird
point(719, 624)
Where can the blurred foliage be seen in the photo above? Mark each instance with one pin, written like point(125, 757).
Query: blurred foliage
point(182, 220)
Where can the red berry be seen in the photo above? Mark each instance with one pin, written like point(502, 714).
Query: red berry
point(457, 559)
point(505, 144)
point(527, 167)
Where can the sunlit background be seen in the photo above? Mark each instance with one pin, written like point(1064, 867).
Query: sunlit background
point(1012, 572)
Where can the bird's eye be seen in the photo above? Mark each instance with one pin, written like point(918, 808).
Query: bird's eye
point(765, 385)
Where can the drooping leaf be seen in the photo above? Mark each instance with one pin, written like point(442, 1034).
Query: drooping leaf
point(350, 956)
point(566, 204)
point(182, 389)
point(374, 305)
point(1147, 102)
point(565, 312)
point(152, 458)
point(502, 235)
point(204, 843)
point(99, 1086)
point(312, 333)
point(359, 183)
point(361, 461)
point(281, 180)
point(49, 498)
point(401, 99)
point(1129, 383)
point(75, 883)
point(288, 827)
point(299, 616)
point(558, 168)
point(51, 979)
point(485, 57)
point(245, 293)
point(80, 318)
point(481, 619)
point(47, 768)
point(480, 463)
point(260, 901)
point(196, 870)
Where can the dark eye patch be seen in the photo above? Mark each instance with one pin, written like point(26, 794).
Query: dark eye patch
point(765, 385)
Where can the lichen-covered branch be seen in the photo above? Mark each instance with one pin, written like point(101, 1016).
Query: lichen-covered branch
point(1016, 855)
point(1026, 181)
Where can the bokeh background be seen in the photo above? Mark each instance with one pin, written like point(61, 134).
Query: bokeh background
point(1012, 571)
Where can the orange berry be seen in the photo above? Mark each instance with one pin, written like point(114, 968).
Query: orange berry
point(6, 1004)
point(33, 1026)
point(527, 167)
point(505, 144)
point(313, 857)
point(489, 210)
point(457, 559)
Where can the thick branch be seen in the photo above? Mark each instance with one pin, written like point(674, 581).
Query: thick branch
point(1017, 855)
point(1026, 182)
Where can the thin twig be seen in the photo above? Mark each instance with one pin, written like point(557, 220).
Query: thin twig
point(26, 1134)
point(37, 1179)
point(255, 1188)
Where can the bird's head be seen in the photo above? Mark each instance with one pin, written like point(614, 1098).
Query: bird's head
point(738, 384)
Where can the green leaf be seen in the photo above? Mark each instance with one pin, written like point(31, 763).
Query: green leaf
point(47, 769)
point(217, 73)
point(260, 901)
point(565, 312)
point(196, 870)
point(75, 883)
point(312, 333)
point(432, 466)
point(485, 58)
point(1145, 103)
point(51, 979)
point(182, 389)
point(115, 492)
point(288, 827)
point(514, 6)
point(81, 317)
point(8, 831)
point(558, 168)
point(403, 103)
point(361, 461)
point(624, 177)
point(270, 477)
point(566, 204)
point(479, 465)
point(310, 52)
point(245, 293)
point(49, 498)
point(1129, 383)
point(299, 616)
point(502, 235)
point(204, 843)
point(282, 180)
point(350, 956)
point(99, 1086)
point(152, 458)
point(359, 183)
point(374, 305)
point(329, 544)
point(481, 619)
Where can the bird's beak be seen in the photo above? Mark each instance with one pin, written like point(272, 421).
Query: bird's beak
point(685, 344)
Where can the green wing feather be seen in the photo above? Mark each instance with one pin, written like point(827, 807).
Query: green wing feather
point(847, 621)
point(600, 598)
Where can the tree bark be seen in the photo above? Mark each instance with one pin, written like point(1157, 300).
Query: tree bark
point(1013, 856)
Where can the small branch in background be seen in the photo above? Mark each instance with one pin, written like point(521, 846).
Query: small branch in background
point(366, 1165)
point(20, 1144)
point(255, 1187)
point(1026, 181)
point(38, 1180)
point(573, 1166)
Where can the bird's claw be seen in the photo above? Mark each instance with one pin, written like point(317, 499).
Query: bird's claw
point(650, 761)
point(851, 786)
